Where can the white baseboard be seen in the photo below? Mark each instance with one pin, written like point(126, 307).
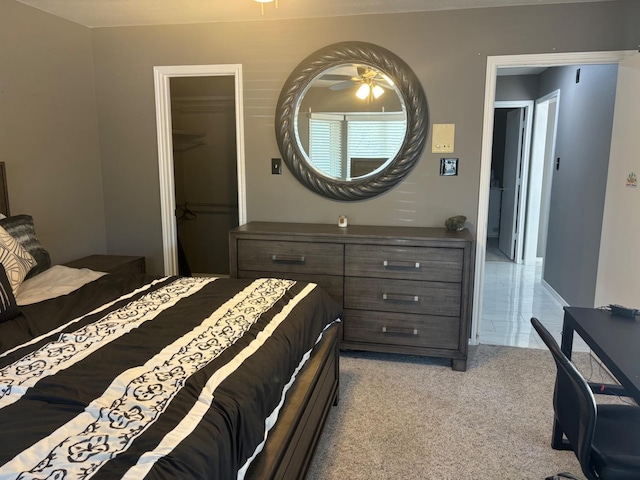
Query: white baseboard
point(554, 293)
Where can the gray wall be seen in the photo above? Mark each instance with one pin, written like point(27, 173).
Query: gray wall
point(517, 87)
point(49, 131)
point(585, 118)
point(447, 51)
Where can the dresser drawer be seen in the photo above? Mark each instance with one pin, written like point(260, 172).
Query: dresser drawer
point(430, 298)
point(409, 263)
point(294, 257)
point(331, 283)
point(401, 329)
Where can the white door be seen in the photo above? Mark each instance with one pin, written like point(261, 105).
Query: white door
point(549, 118)
point(618, 278)
point(540, 174)
point(511, 183)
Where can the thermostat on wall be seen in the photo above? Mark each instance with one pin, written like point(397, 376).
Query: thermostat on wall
point(443, 135)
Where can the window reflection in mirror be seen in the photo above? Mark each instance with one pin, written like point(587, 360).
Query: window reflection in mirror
point(350, 122)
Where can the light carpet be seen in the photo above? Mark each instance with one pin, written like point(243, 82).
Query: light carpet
point(407, 417)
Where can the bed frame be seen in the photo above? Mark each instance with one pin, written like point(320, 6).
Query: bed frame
point(292, 442)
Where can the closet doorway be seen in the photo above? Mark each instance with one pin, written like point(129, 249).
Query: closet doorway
point(204, 166)
point(201, 160)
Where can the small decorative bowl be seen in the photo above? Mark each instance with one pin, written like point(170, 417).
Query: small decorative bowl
point(455, 224)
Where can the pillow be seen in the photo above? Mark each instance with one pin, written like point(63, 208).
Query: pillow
point(16, 260)
point(8, 307)
point(22, 229)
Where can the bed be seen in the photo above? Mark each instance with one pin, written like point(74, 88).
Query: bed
point(132, 376)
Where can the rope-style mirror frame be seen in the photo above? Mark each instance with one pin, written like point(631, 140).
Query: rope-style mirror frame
point(410, 90)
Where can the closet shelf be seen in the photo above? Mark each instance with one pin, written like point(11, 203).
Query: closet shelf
point(185, 140)
point(186, 133)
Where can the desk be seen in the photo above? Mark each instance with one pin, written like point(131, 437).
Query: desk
point(616, 342)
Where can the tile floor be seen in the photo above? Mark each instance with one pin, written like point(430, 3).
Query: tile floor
point(512, 295)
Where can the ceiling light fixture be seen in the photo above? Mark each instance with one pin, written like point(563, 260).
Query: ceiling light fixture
point(364, 91)
point(262, 2)
point(369, 90)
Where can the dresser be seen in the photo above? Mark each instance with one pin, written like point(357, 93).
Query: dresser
point(402, 289)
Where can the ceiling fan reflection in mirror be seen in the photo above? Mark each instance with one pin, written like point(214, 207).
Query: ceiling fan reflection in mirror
point(369, 82)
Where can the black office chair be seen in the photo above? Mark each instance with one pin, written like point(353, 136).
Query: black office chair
point(605, 438)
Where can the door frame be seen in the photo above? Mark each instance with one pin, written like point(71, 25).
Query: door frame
point(523, 174)
point(493, 63)
point(617, 279)
point(162, 76)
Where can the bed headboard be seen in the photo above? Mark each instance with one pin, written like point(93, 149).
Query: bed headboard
point(4, 193)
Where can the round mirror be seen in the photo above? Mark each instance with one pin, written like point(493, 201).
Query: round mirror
point(351, 121)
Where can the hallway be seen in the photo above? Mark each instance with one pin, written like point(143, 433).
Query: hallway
point(514, 293)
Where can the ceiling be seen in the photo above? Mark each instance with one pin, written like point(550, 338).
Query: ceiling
point(110, 13)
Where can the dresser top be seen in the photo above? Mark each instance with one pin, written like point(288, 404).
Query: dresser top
point(352, 231)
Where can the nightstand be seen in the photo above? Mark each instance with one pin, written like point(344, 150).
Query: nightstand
point(110, 263)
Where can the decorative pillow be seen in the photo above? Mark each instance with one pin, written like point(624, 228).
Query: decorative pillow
point(22, 229)
point(16, 260)
point(8, 307)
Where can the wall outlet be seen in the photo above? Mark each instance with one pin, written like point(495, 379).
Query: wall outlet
point(276, 166)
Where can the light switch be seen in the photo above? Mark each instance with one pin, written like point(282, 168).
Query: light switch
point(443, 135)
point(276, 166)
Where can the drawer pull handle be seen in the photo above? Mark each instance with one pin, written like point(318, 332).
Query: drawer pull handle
point(400, 297)
point(400, 264)
point(401, 331)
point(288, 258)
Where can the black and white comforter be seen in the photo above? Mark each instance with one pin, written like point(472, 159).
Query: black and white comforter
point(178, 378)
